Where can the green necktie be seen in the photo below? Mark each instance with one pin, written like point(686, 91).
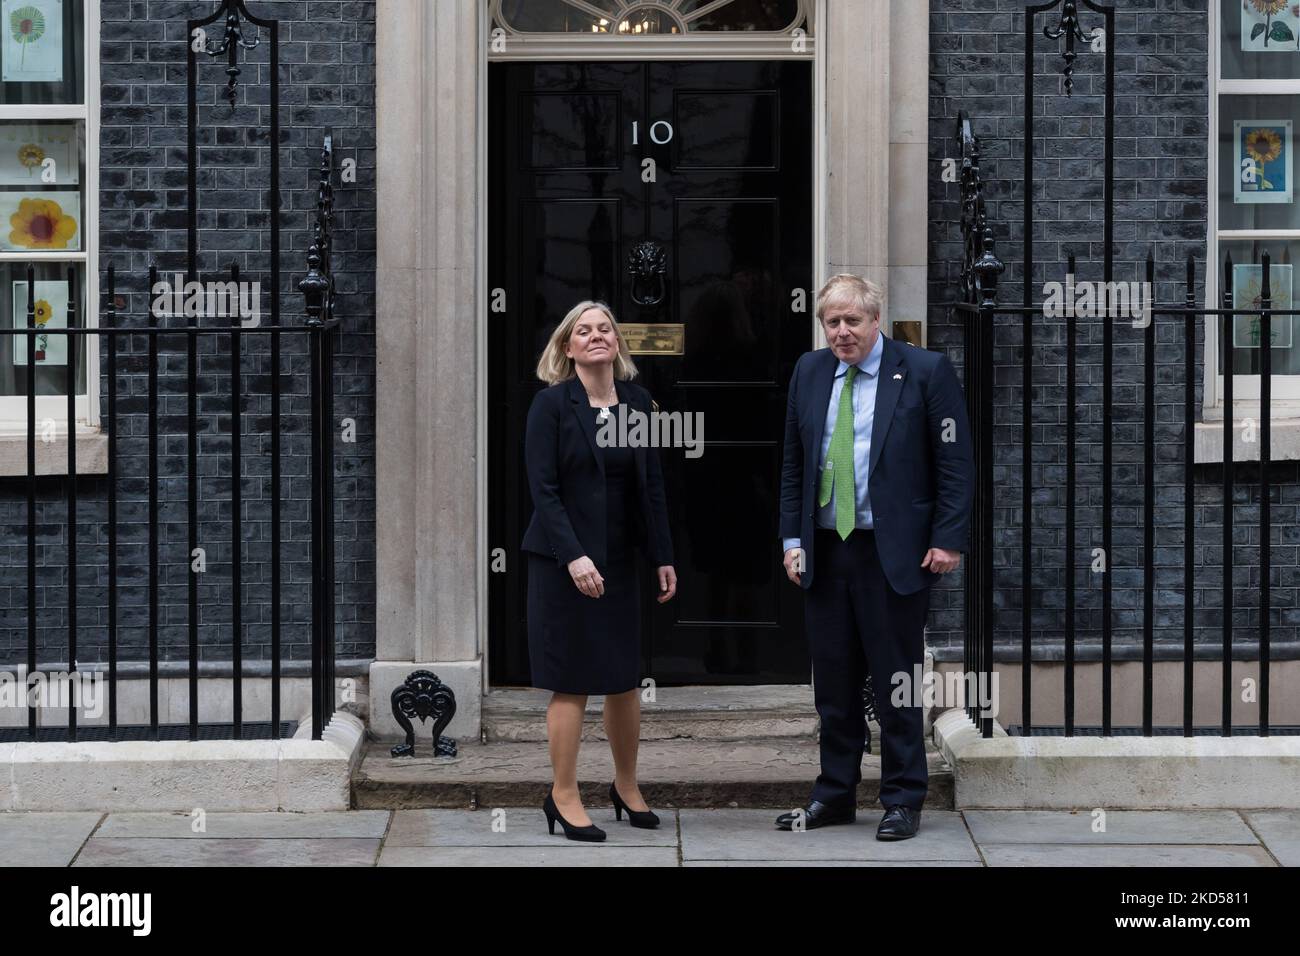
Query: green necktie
point(838, 469)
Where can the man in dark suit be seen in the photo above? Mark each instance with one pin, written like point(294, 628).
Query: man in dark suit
point(876, 494)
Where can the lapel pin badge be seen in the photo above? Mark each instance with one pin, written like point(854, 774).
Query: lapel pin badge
point(898, 375)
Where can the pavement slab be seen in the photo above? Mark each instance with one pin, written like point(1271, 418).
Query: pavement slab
point(1130, 854)
point(745, 834)
point(515, 827)
point(216, 851)
point(573, 855)
point(227, 825)
point(44, 839)
point(1280, 832)
point(1121, 826)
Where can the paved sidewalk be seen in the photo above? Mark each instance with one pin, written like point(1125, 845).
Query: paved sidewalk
point(728, 837)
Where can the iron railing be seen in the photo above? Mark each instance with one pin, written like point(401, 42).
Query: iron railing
point(319, 330)
point(980, 311)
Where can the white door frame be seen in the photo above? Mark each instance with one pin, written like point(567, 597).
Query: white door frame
point(715, 46)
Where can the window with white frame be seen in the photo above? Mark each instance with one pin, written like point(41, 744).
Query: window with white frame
point(1255, 207)
point(49, 128)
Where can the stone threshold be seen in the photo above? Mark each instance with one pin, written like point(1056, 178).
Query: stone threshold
point(1128, 772)
point(298, 774)
point(729, 712)
point(759, 772)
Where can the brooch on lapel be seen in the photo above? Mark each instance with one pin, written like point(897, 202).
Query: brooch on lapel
point(898, 375)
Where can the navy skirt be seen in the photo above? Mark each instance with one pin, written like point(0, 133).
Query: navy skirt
point(583, 645)
point(578, 644)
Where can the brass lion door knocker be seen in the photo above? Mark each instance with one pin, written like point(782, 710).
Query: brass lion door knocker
point(647, 263)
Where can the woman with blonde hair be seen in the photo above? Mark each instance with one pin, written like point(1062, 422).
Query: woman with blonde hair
point(593, 501)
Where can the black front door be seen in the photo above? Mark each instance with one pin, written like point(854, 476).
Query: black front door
point(729, 200)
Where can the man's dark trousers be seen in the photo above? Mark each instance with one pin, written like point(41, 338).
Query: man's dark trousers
point(855, 620)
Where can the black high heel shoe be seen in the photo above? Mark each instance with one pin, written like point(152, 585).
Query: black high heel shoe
point(644, 819)
point(588, 834)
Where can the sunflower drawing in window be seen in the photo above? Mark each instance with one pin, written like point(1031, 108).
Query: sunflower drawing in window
point(44, 312)
point(1263, 161)
point(41, 223)
point(1269, 25)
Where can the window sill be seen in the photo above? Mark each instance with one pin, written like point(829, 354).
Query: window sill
point(1284, 441)
point(52, 456)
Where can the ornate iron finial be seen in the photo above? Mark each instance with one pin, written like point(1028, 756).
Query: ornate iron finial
point(980, 266)
point(425, 696)
point(229, 45)
point(987, 269)
point(317, 286)
point(1070, 29)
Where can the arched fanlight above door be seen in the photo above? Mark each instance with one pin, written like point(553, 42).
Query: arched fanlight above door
point(643, 18)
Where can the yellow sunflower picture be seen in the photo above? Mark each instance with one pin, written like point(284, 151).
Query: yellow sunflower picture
point(1263, 161)
point(50, 312)
point(40, 222)
point(1269, 25)
point(1264, 145)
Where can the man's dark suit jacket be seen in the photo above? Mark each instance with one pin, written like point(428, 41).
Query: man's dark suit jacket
point(921, 488)
point(566, 475)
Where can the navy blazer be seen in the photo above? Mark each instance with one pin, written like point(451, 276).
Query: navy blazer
point(921, 488)
point(566, 475)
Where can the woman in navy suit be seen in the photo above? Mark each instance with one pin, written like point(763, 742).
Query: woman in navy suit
point(593, 502)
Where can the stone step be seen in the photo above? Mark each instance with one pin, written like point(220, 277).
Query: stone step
point(759, 772)
point(702, 713)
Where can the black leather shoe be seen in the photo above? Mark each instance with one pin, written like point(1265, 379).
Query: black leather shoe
point(817, 814)
point(588, 834)
point(899, 823)
point(644, 819)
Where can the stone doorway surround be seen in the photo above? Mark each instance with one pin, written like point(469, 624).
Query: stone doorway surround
point(431, 549)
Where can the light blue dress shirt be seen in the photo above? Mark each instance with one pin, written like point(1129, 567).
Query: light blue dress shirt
point(864, 413)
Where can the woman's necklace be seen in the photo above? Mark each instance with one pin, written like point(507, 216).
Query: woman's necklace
point(604, 409)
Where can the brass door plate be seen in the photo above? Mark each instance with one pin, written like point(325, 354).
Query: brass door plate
point(655, 338)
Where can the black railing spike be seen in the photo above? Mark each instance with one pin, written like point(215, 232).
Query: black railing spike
point(1191, 273)
point(1265, 287)
point(232, 39)
point(1069, 28)
point(317, 286)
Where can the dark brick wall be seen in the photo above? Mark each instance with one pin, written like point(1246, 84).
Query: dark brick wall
point(1161, 139)
point(327, 76)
